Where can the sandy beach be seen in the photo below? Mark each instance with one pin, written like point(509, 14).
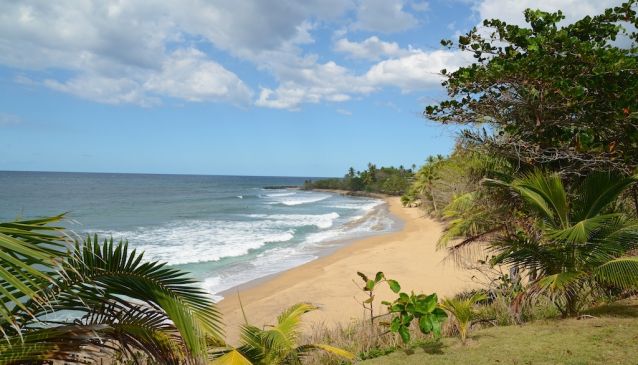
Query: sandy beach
point(408, 256)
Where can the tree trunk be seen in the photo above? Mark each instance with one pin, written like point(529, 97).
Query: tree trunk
point(634, 192)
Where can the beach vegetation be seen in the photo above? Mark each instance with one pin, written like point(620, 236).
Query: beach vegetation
point(463, 311)
point(607, 337)
point(561, 96)
point(276, 344)
point(534, 181)
point(382, 180)
point(420, 308)
point(573, 245)
point(81, 300)
point(369, 286)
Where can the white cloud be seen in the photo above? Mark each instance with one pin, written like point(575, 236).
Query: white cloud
point(184, 74)
point(136, 52)
point(119, 51)
point(511, 11)
point(109, 90)
point(312, 82)
point(315, 82)
point(344, 112)
point(371, 48)
point(385, 16)
point(187, 74)
point(416, 71)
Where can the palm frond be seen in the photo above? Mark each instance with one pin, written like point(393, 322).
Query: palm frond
point(559, 283)
point(546, 194)
point(327, 348)
point(30, 252)
point(116, 271)
point(621, 272)
point(597, 191)
point(581, 231)
point(232, 357)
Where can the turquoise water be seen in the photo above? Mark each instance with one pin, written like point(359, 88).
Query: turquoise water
point(225, 230)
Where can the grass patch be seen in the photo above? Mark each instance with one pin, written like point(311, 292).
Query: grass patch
point(609, 338)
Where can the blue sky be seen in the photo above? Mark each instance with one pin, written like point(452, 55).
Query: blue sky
point(251, 87)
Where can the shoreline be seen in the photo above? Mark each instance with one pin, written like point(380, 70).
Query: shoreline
point(331, 246)
point(331, 282)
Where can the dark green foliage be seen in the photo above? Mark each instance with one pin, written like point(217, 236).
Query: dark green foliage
point(565, 97)
point(384, 180)
point(412, 307)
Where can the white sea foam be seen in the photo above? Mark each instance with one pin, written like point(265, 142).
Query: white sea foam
point(266, 263)
point(321, 221)
point(365, 205)
point(279, 194)
point(202, 241)
point(304, 200)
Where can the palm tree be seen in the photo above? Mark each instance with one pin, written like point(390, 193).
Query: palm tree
point(463, 311)
point(577, 243)
point(84, 301)
point(276, 344)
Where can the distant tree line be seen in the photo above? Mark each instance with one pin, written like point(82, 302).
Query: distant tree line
point(385, 180)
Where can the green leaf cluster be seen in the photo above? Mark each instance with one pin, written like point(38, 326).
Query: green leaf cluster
point(416, 307)
point(565, 96)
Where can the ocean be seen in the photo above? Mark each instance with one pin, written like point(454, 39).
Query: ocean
point(225, 230)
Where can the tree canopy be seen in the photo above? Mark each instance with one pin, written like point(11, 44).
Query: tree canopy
point(564, 96)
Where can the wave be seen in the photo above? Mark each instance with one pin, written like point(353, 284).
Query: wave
point(374, 220)
point(304, 200)
point(202, 241)
point(321, 221)
point(279, 194)
point(280, 258)
point(365, 205)
point(269, 262)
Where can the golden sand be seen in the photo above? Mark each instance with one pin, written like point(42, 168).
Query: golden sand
point(408, 256)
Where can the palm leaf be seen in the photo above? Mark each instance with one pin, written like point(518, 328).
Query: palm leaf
point(327, 348)
point(582, 231)
point(546, 194)
point(559, 283)
point(117, 271)
point(621, 272)
point(30, 252)
point(232, 357)
point(597, 191)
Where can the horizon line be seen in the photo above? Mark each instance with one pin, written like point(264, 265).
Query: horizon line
point(158, 173)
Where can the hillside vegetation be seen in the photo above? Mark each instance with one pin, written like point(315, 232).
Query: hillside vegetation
point(383, 180)
point(609, 339)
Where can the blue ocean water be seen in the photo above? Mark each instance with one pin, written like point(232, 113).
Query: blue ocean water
point(225, 230)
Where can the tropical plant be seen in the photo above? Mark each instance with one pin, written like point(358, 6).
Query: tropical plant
point(274, 344)
point(29, 254)
point(420, 307)
point(463, 311)
point(93, 300)
point(370, 285)
point(575, 243)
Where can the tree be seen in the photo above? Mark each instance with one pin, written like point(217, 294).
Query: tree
point(120, 303)
point(564, 97)
point(275, 344)
point(569, 244)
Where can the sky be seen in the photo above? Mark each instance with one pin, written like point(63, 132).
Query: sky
point(228, 87)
